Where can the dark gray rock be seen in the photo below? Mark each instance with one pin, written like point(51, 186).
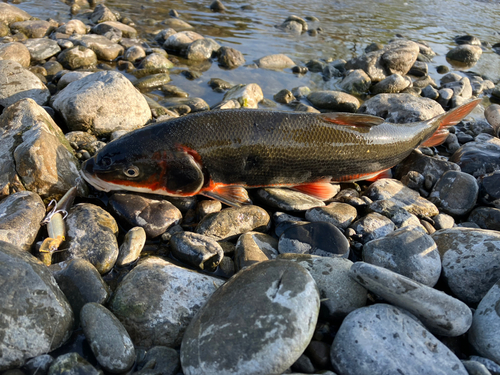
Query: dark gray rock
point(202, 49)
point(442, 314)
point(196, 250)
point(479, 157)
point(38, 365)
point(466, 54)
point(455, 193)
point(218, 84)
point(81, 283)
point(397, 342)
point(180, 41)
point(157, 300)
point(489, 186)
point(107, 338)
point(153, 81)
point(492, 366)
point(288, 200)
point(156, 61)
point(42, 48)
point(392, 84)
point(280, 296)
point(407, 251)
point(356, 82)
point(35, 316)
point(102, 13)
point(91, 235)
point(72, 364)
point(334, 100)
point(159, 360)
point(430, 92)
point(231, 222)
point(461, 88)
point(486, 217)
point(104, 48)
point(77, 57)
point(339, 214)
point(253, 247)
point(419, 69)
point(217, 6)
point(339, 293)
point(397, 214)
point(372, 226)
point(154, 215)
point(321, 238)
point(284, 96)
point(469, 258)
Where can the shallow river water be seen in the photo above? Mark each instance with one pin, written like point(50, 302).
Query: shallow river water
point(347, 28)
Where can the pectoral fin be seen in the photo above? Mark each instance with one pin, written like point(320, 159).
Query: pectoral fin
point(319, 190)
point(229, 194)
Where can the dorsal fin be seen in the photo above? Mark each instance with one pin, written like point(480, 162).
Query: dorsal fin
point(352, 119)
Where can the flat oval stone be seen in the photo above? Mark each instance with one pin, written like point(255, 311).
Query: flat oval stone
point(441, 314)
point(288, 200)
point(131, 247)
point(321, 238)
point(107, 338)
point(470, 261)
point(42, 48)
point(77, 57)
point(395, 343)
point(231, 222)
point(17, 52)
point(455, 193)
point(334, 100)
point(253, 247)
point(339, 214)
point(280, 296)
point(407, 251)
point(197, 250)
point(275, 62)
point(373, 226)
point(486, 217)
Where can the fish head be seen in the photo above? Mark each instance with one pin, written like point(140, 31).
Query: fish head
point(117, 166)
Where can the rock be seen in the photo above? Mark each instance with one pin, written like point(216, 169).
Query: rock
point(17, 52)
point(339, 214)
point(392, 84)
point(152, 81)
point(104, 48)
point(466, 54)
point(402, 196)
point(42, 48)
point(127, 31)
point(196, 250)
point(442, 314)
point(479, 157)
point(231, 222)
point(176, 24)
point(77, 57)
point(102, 13)
point(419, 69)
point(275, 62)
point(107, 338)
point(247, 95)
point(154, 215)
point(468, 256)
point(29, 293)
point(455, 193)
point(32, 28)
point(330, 71)
point(397, 214)
point(39, 364)
point(372, 226)
point(102, 102)
point(490, 365)
point(407, 251)
point(288, 200)
point(159, 360)
point(17, 83)
point(284, 96)
point(131, 247)
point(81, 283)
point(190, 104)
point(492, 114)
point(323, 239)
point(217, 6)
point(397, 57)
point(356, 82)
point(443, 221)
point(72, 27)
point(254, 247)
point(475, 368)
point(156, 301)
point(202, 49)
point(20, 217)
point(71, 363)
point(397, 341)
point(35, 154)
point(316, 66)
point(71, 77)
point(180, 41)
point(401, 108)
point(339, 293)
point(134, 54)
point(230, 58)
point(282, 298)
point(10, 14)
point(155, 61)
point(91, 235)
point(430, 92)
point(486, 217)
point(334, 100)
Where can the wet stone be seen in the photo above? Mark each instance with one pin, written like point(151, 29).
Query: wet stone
point(104, 48)
point(443, 221)
point(42, 48)
point(134, 54)
point(334, 100)
point(469, 258)
point(81, 283)
point(72, 363)
point(479, 157)
point(489, 186)
point(157, 300)
point(102, 13)
point(72, 27)
point(230, 58)
point(253, 247)
point(10, 14)
point(419, 69)
point(107, 338)
point(229, 223)
point(33, 28)
point(20, 217)
point(152, 81)
point(455, 193)
point(282, 298)
point(127, 31)
point(392, 84)
point(486, 323)
point(193, 104)
point(205, 207)
point(288, 200)
point(154, 215)
point(321, 238)
point(38, 365)
point(372, 226)
point(284, 96)
point(340, 294)
point(202, 49)
point(219, 85)
point(275, 62)
point(247, 95)
point(181, 40)
point(339, 214)
point(131, 247)
point(430, 92)
point(356, 82)
point(397, 342)
point(398, 215)
point(77, 57)
point(465, 54)
point(196, 250)
point(486, 217)
point(30, 292)
point(492, 366)
point(407, 251)
point(176, 23)
point(91, 235)
point(17, 52)
point(159, 360)
point(156, 61)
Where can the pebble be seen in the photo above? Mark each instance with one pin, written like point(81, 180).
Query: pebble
point(38, 365)
point(202, 49)
point(392, 84)
point(334, 100)
point(442, 314)
point(42, 48)
point(181, 40)
point(280, 296)
point(407, 251)
point(108, 339)
point(469, 259)
point(156, 301)
point(475, 368)
point(275, 62)
point(17, 52)
point(466, 54)
point(10, 14)
point(77, 57)
point(490, 365)
point(247, 95)
point(153, 81)
point(321, 238)
point(339, 214)
point(397, 342)
point(33, 28)
point(131, 247)
point(230, 58)
point(71, 27)
point(455, 193)
point(196, 250)
point(288, 200)
point(253, 247)
point(479, 157)
point(159, 360)
point(486, 217)
point(154, 215)
point(156, 61)
point(356, 82)
point(72, 363)
point(372, 226)
point(398, 215)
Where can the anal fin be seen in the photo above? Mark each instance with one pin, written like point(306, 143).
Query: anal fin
point(384, 174)
point(229, 194)
point(320, 190)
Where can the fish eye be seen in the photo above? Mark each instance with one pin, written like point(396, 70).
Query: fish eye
point(131, 171)
point(106, 161)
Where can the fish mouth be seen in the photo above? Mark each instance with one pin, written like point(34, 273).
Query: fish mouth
point(87, 172)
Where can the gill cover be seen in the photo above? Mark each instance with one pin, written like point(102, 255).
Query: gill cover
point(183, 173)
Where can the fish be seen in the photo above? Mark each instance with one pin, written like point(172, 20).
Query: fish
point(221, 153)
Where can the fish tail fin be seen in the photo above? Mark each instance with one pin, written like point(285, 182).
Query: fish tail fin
point(448, 119)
